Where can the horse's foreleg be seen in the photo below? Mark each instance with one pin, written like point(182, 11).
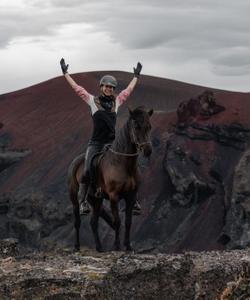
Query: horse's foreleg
point(77, 227)
point(116, 223)
point(74, 200)
point(74, 175)
point(107, 218)
point(96, 204)
point(130, 201)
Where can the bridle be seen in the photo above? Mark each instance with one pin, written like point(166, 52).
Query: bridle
point(139, 146)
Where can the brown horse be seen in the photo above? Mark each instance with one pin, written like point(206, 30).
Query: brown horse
point(117, 177)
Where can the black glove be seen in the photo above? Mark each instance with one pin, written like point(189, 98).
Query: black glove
point(137, 70)
point(64, 66)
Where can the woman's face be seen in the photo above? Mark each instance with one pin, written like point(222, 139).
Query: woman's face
point(107, 90)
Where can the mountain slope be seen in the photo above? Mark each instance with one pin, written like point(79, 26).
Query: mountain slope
point(52, 125)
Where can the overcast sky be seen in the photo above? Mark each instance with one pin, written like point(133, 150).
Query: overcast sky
point(204, 42)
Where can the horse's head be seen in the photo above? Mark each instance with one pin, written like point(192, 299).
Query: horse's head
point(140, 129)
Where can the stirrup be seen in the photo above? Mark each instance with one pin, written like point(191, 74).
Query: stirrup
point(99, 193)
point(84, 208)
point(136, 209)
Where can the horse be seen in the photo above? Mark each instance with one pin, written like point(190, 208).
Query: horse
point(117, 177)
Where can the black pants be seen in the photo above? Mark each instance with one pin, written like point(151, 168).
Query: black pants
point(92, 149)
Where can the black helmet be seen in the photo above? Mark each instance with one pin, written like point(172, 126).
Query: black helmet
point(108, 80)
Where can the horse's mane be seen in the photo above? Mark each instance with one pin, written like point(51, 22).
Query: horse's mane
point(122, 136)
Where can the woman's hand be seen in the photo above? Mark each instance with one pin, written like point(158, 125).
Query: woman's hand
point(64, 66)
point(137, 70)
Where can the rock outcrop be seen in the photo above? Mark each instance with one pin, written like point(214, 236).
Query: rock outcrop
point(205, 192)
point(204, 106)
point(237, 228)
point(10, 157)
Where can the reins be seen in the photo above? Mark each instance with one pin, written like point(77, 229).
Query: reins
point(124, 154)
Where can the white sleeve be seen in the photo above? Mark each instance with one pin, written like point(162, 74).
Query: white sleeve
point(92, 104)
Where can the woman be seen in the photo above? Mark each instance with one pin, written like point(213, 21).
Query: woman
point(103, 111)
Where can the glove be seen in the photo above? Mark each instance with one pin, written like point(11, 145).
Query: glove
point(137, 70)
point(64, 66)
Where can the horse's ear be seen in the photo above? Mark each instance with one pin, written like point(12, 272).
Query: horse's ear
point(150, 112)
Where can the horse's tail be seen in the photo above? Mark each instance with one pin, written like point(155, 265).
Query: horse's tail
point(74, 178)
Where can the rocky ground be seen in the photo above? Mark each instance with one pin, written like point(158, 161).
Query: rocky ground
point(61, 274)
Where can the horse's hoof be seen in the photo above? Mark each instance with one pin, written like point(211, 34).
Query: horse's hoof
point(77, 248)
point(129, 248)
point(116, 248)
point(99, 249)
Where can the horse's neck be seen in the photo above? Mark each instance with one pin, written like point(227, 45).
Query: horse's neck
point(123, 144)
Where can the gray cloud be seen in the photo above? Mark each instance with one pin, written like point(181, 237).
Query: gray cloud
point(215, 32)
point(39, 18)
point(234, 62)
point(138, 24)
point(55, 3)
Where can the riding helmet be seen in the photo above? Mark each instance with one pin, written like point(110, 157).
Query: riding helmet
point(108, 80)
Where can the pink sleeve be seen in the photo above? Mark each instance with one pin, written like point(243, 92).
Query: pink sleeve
point(81, 92)
point(122, 97)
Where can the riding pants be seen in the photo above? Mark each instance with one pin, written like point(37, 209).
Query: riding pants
point(93, 148)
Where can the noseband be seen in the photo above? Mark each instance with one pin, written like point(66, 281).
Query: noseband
point(134, 140)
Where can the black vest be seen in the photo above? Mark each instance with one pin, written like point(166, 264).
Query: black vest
point(104, 120)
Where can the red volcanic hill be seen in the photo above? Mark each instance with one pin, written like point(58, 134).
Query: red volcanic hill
point(45, 126)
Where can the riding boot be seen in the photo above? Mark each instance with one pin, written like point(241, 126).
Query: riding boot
point(137, 207)
point(82, 198)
